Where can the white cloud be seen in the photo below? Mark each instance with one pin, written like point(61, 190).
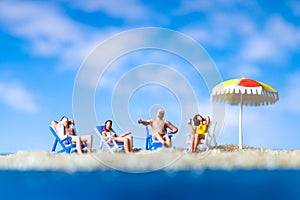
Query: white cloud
point(48, 32)
point(223, 20)
point(238, 32)
point(291, 96)
point(132, 10)
point(17, 97)
point(40, 23)
point(273, 43)
point(248, 71)
point(260, 48)
point(220, 28)
point(212, 6)
point(295, 7)
point(110, 58)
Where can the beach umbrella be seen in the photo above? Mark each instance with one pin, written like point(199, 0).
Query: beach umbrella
point(244, 91)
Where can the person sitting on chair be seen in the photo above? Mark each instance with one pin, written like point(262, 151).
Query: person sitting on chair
point(159, 126)
point(65, 127)
point(110, 135)
point(201, 125)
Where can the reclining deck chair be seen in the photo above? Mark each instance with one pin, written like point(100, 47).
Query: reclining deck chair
point(153, 144)
point(67, 145)
point(109, 145)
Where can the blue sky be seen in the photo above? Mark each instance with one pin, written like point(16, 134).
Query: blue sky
point(44, 44)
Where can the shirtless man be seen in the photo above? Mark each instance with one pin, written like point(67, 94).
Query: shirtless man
point(65, 127)
point(159, 126)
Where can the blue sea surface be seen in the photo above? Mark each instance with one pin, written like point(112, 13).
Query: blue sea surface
point(206, 184)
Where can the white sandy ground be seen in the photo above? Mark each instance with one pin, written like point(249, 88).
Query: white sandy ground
point(222, 157)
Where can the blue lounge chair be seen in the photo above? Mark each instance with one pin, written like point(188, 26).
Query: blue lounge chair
point(67, 145)
point(112, 145)
point(152, 144)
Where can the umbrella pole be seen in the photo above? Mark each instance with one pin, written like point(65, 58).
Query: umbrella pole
point(240, 123)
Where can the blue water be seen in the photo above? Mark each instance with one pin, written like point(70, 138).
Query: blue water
point(207, 184)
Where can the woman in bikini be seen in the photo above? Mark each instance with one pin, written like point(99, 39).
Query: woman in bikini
point(199, 129)
point(110, 135)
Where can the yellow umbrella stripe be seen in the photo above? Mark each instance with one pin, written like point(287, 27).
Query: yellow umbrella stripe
point(230, 82)
point(234, 81)
point(267, 87)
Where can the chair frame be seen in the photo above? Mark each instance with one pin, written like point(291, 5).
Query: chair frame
point(104, 144)
point(153, 144)
point(66, 148)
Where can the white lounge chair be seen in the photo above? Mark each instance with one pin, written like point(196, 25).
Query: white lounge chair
point(110, 145)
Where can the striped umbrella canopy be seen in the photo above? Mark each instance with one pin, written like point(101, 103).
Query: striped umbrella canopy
point(244, 91)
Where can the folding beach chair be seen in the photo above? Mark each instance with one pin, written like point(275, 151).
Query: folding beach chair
point(209, 137)
point(66, 143)
point(110, 145)
point(153, 144)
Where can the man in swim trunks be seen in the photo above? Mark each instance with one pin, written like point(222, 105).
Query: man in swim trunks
point(158, 127)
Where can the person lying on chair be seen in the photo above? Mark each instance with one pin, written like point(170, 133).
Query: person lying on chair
point(65, 127)
point(198, 131)
point(110, 135)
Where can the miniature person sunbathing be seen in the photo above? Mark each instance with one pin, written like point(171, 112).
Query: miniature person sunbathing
point(65, 127)
point(158, 127)
point(110, 135)
point(201, 125)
